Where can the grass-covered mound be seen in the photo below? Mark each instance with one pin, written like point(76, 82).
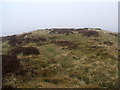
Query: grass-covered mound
point(59, 58)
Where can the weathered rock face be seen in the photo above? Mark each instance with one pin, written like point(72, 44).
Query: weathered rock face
point(10, 64)
point(24, 51)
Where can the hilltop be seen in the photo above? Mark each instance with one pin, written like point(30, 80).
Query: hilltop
point(61, 58)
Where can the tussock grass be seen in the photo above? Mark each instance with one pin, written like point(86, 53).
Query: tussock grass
point(91, 65)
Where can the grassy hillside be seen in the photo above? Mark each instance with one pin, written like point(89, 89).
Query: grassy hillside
point(67, 59)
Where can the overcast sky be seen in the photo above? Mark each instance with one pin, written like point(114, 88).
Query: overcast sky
point(24, 17)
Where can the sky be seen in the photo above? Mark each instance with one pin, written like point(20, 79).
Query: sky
point(24, 17)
